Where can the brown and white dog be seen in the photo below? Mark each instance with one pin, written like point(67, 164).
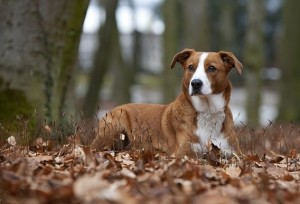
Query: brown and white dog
point(198, 117)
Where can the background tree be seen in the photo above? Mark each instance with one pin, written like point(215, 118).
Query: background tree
point(109, 60)
point(102, 58)
point(38, 52)
point(137, 45)
point(227, 30)
point(196, 25)
point(172, 19)
point(289, 109)
point(186, 25)
point(124, 71)
point(254, 58)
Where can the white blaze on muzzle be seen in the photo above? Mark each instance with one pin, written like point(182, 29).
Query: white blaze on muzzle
point(199, 83)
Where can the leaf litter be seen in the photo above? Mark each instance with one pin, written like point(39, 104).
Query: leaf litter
point(74, 173)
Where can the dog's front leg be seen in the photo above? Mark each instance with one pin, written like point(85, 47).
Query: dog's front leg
point(184, 145)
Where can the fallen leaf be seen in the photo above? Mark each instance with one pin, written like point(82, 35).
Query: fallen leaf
point(112, 161)
point(128, 173)
point(253, 158)
point(287, 177)
point(186, 185)
point(293, 153)
point(276, 172)
point(11, 141)
point(89, 187)
point(79, 153)
point(277, 159)
point(233, 171)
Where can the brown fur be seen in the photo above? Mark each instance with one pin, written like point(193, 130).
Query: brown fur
point(170, 128)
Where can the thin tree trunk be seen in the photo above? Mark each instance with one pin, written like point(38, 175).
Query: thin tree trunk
point(195, 26)
point(289, 109)
point(171, 46)
point(123, 75)
point(123, 71)
point(137, 45)
point(103, 58)
point(254, 59)
point(227, 31)
point(68, 59)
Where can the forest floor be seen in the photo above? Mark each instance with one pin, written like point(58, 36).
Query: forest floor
point(46, 172)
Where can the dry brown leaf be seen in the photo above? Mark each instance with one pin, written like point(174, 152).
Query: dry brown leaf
point(293, 154)
point(256, 171)
point(128, 173)
point(186, 185)
point(88, 187)
point(112, 161)
point(216, 198)
point(277, 159)
point(276, 172)
point(291, 186)
point(233, 171)
point(128, 162)
point(79, 154)
point(260, 164)
point(253, 158)
point(287, 177)
point(295, 175)
point(283, 165)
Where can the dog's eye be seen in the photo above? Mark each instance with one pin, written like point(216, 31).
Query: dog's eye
point(191, 68)
point(211, 69)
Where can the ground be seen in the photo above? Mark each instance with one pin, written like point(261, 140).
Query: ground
point(46, 172)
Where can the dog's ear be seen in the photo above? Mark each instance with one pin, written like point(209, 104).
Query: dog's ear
point(181, 57)
point(231, 61)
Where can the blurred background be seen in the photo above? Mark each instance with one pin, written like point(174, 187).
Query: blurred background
point(81, 58)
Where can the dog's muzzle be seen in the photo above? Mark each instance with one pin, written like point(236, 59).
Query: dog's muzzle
point(196, 86)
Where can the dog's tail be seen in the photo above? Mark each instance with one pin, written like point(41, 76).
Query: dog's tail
point(112, 131)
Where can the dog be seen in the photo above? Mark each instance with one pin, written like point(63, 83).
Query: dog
point(198, 118)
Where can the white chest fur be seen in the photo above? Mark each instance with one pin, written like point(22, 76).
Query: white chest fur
point(210, 120)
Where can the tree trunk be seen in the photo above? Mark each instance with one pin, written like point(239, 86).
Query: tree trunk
point(137, 43)
point(171, 47)
point(227, 30)
point(123, 76)
point(102, 59)
point(254, 59)
point(123, 71)
point(39, 41)
point(289, 109)
point(196, 24)
point(68, 60)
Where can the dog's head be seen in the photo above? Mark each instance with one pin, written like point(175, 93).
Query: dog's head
point(205, 73)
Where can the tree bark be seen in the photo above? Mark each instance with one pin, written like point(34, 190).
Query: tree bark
point(171, 47)
point(103, 58)
point(68, 59)
point(196, 30)
point(39, 41)
point(123, 71)
point(227, 30)
point(254, 59)
point(289, 109)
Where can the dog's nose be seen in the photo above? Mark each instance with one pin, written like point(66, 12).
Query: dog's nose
point(196, 83)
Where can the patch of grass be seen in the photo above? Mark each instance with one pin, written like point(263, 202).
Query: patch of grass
point(270, 139)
